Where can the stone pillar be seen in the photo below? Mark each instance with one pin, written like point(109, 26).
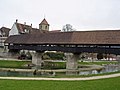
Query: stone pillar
point(118, 59)
point(37, 59)
point(72, 63)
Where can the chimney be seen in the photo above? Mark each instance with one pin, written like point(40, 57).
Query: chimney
point(31, 24)
point(16, 20)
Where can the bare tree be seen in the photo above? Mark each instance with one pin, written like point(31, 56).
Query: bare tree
point(67, 28)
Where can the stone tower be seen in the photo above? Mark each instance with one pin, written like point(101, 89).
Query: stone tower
point(44, 25)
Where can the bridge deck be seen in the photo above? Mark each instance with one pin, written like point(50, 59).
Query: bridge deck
point(64, 48)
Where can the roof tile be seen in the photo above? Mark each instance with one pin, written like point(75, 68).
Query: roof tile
point(77, 37)
point(44, 21)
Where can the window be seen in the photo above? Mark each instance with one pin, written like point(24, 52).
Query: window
point(26, 31)
point(45, 27)
point(3, 34)
point(40, 27)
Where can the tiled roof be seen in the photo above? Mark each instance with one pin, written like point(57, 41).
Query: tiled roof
point(54, 31)
point(77, 37)
point(23, 27)
point(36, 31)
point(44, 21)
point(5, 31)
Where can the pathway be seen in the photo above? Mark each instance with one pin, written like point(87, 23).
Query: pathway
point(63, 79)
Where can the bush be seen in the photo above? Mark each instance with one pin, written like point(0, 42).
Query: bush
point(55, 55)
point(99, 56)
point(24, 55)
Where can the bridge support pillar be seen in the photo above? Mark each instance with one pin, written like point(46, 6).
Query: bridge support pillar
point(72, 63)
point(118, 59)
point(37, 59)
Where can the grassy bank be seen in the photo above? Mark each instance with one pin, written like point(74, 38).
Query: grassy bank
point(104, 84)
point(48, 65)
point(62, 65)
point(13, 64)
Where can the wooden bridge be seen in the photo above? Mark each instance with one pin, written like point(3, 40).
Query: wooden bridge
point(72, 43)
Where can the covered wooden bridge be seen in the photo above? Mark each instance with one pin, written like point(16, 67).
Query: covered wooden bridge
point(72, 43)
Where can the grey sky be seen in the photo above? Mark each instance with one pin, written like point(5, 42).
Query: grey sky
point(81, 14)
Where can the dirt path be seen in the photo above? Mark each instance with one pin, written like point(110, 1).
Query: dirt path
point(63, 79)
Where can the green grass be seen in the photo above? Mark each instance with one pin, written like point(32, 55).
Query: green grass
point(55, 65)
point(103, 84)
point(13, 64)
point(50, 65)
point(62, 65)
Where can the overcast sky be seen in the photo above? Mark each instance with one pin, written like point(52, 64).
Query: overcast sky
point(81, 14)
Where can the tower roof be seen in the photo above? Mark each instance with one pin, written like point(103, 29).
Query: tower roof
point(44, 21)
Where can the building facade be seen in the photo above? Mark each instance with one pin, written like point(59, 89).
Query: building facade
point(19, 28)
point(4, 33)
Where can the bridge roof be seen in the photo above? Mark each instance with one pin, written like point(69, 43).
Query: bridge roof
point(76, 37)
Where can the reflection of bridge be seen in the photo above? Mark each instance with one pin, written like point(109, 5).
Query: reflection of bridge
point(72, 43)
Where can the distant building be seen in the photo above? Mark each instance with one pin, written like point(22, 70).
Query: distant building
point(4, 33)
point(44, 25)
point(19, 28)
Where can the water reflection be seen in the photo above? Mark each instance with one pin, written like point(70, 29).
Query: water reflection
point(106, 69)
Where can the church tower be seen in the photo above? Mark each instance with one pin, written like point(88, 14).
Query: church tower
point(44, 25)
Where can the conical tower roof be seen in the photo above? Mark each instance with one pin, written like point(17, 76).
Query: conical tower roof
point(44, 21)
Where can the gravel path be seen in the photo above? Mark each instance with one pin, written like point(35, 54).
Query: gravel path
point(63, 79)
